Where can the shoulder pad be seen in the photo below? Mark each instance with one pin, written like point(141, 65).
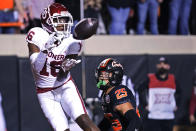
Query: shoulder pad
point(37, 36)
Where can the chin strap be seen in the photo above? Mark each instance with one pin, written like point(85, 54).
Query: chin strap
point(101, 84)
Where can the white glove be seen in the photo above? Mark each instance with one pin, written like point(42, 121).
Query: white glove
point(52, 39)
point(69, 63)
point(59, 37)
point(50, 43)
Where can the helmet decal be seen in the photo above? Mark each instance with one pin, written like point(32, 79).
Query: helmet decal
point(49, 21)
point(115, 64)
point(104, 62)
point(44, 14)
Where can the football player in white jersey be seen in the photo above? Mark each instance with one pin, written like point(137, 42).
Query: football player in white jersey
point(52, 53)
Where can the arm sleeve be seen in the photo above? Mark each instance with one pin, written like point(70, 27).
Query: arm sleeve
point(134, 122)
point(104, 125)
point(38, 37)
point(38, 60)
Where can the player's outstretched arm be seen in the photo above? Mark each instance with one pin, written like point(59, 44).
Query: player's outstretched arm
point(36, 56)
point(69, 62)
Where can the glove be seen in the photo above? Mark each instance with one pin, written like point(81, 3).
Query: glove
point(59, 37)
point(68, 64)
point(50, 44)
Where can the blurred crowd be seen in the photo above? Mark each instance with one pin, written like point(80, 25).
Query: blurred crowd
point(172, 17)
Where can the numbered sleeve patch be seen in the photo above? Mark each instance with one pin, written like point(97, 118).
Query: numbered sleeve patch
point(121, 93)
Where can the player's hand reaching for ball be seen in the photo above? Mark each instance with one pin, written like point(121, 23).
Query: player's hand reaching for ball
point(53, 41)
point(50, 43)
point(68, 64)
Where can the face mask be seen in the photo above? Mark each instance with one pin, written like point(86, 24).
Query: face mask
point(162, 71)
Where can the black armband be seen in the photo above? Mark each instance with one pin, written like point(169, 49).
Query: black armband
point(133, 119)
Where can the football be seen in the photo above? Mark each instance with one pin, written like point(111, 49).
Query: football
point(85, 28)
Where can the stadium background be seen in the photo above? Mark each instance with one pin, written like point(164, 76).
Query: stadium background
point(138, 54)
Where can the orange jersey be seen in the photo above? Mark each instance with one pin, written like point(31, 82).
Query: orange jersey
point(118, 95)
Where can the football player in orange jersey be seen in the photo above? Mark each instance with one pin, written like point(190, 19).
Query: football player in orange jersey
point(117, 100)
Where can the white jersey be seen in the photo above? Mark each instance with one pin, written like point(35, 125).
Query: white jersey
point(46, 75)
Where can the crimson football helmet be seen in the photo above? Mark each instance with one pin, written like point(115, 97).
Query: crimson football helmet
point(56, 15)
point(110, 65)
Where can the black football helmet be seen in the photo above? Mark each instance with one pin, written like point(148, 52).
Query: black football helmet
point(110, 65)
